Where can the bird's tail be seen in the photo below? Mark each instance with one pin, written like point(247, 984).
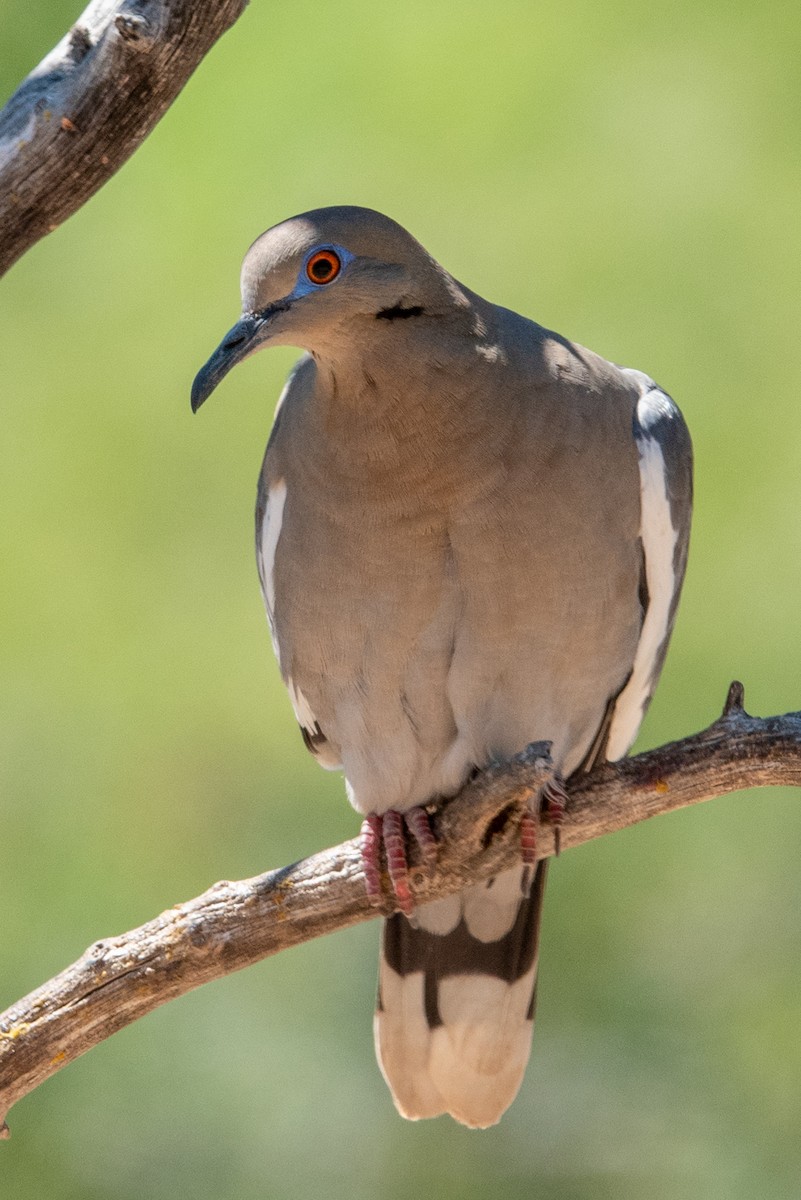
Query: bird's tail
point(456, 997)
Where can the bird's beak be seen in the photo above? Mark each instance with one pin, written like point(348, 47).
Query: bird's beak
point(245, 337)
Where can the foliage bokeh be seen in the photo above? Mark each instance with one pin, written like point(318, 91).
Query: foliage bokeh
point(626, 174)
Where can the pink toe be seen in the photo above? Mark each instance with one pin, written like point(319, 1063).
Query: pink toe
point(371, 856)
point(420, 828)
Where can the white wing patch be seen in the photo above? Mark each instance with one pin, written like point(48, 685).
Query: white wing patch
point(303, 712)
point(659, 538)
point(270, 533)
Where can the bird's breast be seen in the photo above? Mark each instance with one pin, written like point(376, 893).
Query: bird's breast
point(437, 602)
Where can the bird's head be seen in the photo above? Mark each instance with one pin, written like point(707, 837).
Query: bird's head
point(317, 280)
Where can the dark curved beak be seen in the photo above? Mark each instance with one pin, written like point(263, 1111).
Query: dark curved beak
point(240, 341)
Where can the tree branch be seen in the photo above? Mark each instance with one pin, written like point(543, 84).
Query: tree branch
point(235, 924)
point(91, 102)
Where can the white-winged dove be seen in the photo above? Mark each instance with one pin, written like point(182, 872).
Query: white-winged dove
point(471, 535)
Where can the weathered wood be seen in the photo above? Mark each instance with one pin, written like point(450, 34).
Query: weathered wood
point(91, 102)
point(233, 925)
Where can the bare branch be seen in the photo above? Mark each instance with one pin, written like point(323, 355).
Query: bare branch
point(87, 106)
point(235, 924)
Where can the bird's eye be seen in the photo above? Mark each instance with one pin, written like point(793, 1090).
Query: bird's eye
point(323, 267)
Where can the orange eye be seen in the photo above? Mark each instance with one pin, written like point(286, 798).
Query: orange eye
point(323, 267)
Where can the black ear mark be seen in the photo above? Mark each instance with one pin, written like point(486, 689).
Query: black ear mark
point(399, 313)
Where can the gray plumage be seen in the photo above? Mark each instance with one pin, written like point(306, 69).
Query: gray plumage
point(471, 534)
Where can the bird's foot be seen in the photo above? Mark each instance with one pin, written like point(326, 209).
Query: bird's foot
point(528, 846)
point(552, 805)
point(389, 829)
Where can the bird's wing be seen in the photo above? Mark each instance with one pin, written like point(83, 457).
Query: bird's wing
point(271, 498)
point(665, 459)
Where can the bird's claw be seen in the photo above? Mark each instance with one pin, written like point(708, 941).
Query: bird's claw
point(553, 806)
point(528, 846)
point(389, 829)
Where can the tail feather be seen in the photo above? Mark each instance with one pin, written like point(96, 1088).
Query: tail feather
point(456, 1000)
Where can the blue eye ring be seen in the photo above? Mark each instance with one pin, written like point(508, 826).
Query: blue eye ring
point(323, 266)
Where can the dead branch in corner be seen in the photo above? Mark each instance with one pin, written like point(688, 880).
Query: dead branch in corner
point(91, 103)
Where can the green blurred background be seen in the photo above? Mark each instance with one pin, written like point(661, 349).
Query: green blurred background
point(627, 174)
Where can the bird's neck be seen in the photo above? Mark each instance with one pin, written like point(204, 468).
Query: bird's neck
point(410, 407)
